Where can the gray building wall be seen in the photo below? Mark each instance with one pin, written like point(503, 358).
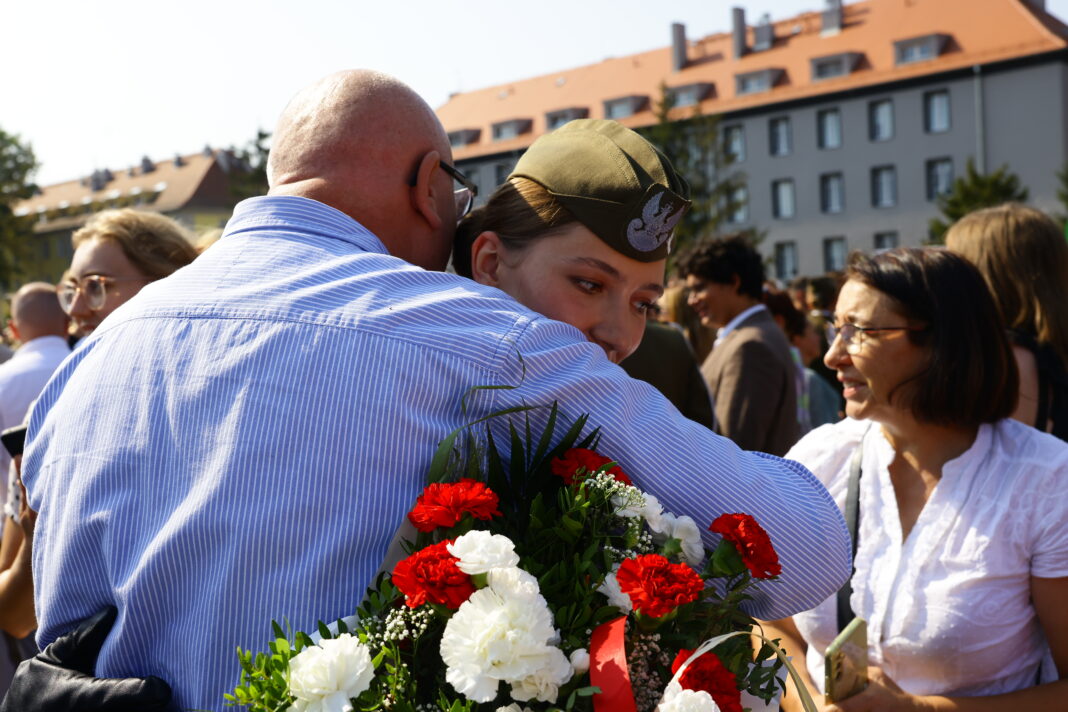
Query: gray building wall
point(1023, 123)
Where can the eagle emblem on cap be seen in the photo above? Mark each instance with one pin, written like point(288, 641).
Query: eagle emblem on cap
point(658, 219)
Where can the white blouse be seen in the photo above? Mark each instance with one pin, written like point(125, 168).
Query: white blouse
point(948, 608)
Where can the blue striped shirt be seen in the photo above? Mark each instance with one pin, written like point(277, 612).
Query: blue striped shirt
point(240, 441)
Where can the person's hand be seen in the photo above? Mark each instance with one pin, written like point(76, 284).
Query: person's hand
point(27, 517)
point(60, 678)
point(881, 695)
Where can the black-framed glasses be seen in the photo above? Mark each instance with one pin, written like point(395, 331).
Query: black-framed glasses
point(93, 287)
point(854, 337)
point(464, 197)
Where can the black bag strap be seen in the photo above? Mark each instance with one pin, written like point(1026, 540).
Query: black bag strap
point(852, 518)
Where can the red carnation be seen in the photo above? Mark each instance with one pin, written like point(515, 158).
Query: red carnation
point(443, 505)
point(708, 673)
point(578, 462)
point(431, 574)
point(752, 543)
point(656, 586)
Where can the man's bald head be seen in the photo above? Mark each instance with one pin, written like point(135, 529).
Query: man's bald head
point(35, 312)
point(354, 140)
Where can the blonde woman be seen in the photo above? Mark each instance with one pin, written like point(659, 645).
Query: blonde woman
point(117, 253)
point(1022, 254)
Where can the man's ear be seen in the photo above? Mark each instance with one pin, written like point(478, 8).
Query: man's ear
point(486, 258)
point(423, 193)
point(736, 283)
point(13, 329)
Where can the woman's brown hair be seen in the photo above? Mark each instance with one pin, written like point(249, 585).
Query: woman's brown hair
point(971, 376)
point(520, 211)
point(1023, 256)
point(155, 244)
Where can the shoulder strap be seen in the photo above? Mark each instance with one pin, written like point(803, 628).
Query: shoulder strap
point(852, 518)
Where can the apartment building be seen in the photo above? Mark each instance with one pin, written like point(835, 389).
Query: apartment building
point(847, 122)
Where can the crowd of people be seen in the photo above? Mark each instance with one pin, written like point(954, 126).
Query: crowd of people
point(200, 460)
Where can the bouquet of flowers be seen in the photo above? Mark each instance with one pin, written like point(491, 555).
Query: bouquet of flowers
point(544, 580)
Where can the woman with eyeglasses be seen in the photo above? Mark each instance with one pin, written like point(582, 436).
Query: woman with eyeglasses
point(961, 563)
point(117, 253)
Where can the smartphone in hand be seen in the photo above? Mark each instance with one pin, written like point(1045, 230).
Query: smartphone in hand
point(846, 662)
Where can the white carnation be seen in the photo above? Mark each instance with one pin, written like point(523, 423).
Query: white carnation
point(480, 552)
point(492, 638)
point(685, 530)
point(616, 597)
point(544, 684)
point(513, 708)
point(513, 582)
point(677, 699)
point(580, 661)
point(653, 512)
point(324, 677)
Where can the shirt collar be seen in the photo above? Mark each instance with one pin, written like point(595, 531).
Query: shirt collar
point(41, 344)
point(736, 321)
point(302, 215)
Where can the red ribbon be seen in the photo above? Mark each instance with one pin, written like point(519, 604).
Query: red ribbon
point(608, 668)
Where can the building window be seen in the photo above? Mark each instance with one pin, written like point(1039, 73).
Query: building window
point(939, 177)
point(834, 254)
point(883, 187)
point(473, 171)
point(829, 128)
point(463, 137)
point(785, 261)
point(830, 67)
point(758, 81)
point(738, 207)
point(885, 241)
point(504, 130)
point(832, 193)
point(936, 111)
point(881, 120)
point(501, 172)
point(556, 119)
point(734, 142)
point(623, 107)
point(779, 136)
point(919, 49)
point(690, 94)
point(782, 198)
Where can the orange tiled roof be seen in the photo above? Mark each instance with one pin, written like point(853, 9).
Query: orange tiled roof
point(978, 32)
point(169, 185)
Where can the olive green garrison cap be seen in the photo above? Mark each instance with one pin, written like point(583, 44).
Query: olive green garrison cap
point(613, 181)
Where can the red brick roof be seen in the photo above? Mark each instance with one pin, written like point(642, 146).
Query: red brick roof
point(975, 31)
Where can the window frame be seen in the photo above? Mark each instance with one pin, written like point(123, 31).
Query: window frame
point(825, 180)
point(821, 136)
point(877, 170)
point(828, 252)
point(930, 187)
point(777, 205)
point(787, 136)
point(928, 98)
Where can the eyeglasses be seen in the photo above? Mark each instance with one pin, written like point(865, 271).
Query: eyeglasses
point(464, 197)
point(854, 337)
point(93, 287)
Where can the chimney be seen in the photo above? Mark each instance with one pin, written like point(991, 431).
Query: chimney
point(831, 18)
point(738, 31)
point(763, 34)
point(678, 46)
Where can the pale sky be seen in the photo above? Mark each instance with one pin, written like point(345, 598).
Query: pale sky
point(99, 83)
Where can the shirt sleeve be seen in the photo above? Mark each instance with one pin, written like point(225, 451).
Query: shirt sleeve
point(688, 468)
point(1049, 557)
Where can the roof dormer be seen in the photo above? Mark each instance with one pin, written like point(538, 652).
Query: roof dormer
point(504, 130)
point(556, 119)
point(919, 49)
point(625, 106)
point(834, 65)
point(758, 81)
point(464, 137)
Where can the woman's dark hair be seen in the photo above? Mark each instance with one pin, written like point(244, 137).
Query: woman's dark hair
point(780, 305)
point(520, 211)
point(720, 259)
point(971, 377)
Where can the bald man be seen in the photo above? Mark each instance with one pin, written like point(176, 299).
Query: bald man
point(38, 322)
point(240, 441)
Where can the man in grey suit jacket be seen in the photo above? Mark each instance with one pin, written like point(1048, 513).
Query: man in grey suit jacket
point(750, 371)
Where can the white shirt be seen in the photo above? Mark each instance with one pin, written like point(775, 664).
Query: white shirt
point(949, 609)
point(733, 324)
point(22, 378)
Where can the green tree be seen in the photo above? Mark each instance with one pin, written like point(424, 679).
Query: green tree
point(248, 178)
point(1062, 194)
point(17, 166)
point(971, 192)
point(694, 147)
